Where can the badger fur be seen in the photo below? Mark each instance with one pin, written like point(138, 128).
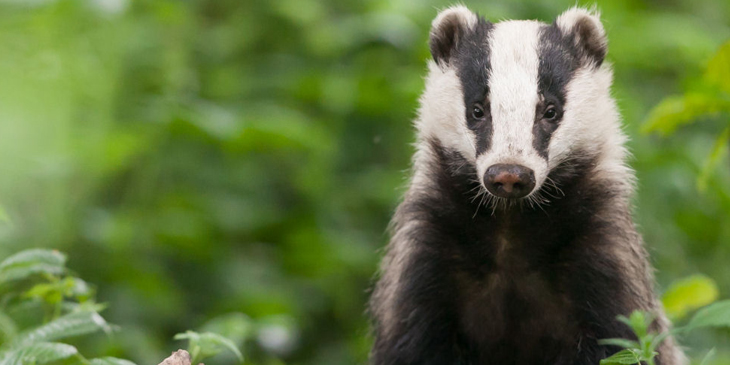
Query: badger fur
point(514, 243)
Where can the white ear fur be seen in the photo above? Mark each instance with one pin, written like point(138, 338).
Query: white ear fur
point(446, 30)
point(585, 27)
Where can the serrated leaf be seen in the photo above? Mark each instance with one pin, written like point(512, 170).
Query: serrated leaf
point(639, 322)
point(70, 325)
point(208, 344)
point(110, 361)
point(689, 294)
point(714, 315)
point(718, 69)
point(31, 262)
point(34, 256)
point(38, 353)
point(22, 272)
point(675, 111)
point(621, 342)
point(628, 356)
point(718, 151)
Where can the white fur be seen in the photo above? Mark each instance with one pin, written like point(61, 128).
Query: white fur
point(513, 96)
point(465, 16)
point(590, 121)
point(442, 113)
point(442, 104)
point(570, 17)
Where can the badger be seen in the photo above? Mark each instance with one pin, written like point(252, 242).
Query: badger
point(514, 243)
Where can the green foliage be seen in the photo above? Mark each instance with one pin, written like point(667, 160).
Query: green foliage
point(689, 294)
point(626, 356)
point(207, 344)
point(634, 351)
point(73, 324)
point(38, 353)
point(38, 279)
point(32, 262)
point(109, 361)
point(714, 315)
point(202, 157)
point(710, 354)
point(643, 350)
point(712, 100)
point(719, 149)
point(718, 69)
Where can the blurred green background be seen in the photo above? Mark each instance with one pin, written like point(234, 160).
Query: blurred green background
point(196, 158)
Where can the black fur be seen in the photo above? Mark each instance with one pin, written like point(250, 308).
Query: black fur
point(520, 286)
point(445, 36)
point(592, 44)
point(471, 59)
point(559, 59)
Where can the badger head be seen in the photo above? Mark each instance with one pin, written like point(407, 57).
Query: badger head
point(517, 99)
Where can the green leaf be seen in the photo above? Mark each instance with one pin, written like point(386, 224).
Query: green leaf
point(718, 69)
point(714, 315)
point(689, 294)
point(31, 262)
point(8, 328)
point(53, 292)
point(719, 150)
point(675, 111)
point(237, 327)
point(81, 290)
point(34, 256)
point(207, 344)
point(658, 339)
point(110, 361)
point(628, 356)
point(38, 353)
point(621, 342)
point(73, 324)
point(708, 357)
point(639, 322)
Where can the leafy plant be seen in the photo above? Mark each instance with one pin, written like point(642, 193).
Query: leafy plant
point(710, 100)
point(207, 344)
point(36, 283)
point(644, 350)
point(689, 294)
point(229, 332)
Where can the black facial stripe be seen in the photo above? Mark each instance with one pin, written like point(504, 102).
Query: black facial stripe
point(471, 59)
point(559, 59)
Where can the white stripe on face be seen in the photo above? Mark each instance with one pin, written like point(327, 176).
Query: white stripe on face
point(513, 97)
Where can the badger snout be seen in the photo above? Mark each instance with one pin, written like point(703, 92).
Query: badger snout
point(509, 181)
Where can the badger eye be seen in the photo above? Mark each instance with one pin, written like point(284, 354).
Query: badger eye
point(550, 114)
point(477, 112)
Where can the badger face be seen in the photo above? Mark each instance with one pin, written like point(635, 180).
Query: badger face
point(517, 98)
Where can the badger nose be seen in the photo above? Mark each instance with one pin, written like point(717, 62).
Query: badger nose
point(509, 181)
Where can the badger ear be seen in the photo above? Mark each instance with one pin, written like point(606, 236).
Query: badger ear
point(446, 31)
point(585, 29)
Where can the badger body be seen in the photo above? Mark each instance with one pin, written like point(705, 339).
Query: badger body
point(514, 243)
